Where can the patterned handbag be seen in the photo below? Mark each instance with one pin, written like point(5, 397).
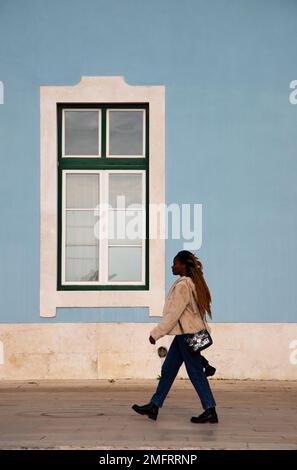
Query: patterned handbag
point(198, 341)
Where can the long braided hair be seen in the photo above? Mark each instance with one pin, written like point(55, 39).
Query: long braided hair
point(194, 270)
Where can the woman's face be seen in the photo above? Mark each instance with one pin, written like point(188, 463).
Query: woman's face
point(177, 267)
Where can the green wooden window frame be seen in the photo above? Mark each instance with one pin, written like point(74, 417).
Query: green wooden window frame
point(101, 163)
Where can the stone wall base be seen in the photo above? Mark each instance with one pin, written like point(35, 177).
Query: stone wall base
point(266, 351)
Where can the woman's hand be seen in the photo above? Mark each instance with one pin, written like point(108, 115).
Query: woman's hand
point(152, 341)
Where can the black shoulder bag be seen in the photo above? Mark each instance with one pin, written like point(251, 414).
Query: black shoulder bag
point(198, 341)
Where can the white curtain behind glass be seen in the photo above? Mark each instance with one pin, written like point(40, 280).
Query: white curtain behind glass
point(82, 247)
point(125, 253)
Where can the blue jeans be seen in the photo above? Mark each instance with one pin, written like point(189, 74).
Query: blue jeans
point(178, 353)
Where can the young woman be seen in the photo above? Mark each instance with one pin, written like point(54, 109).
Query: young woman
point(184, 313)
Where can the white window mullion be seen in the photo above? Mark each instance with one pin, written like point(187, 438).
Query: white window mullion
point(100, 225)
point(103, 234)
point(63, 244)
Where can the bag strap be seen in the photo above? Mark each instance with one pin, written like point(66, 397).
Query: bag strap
point(192, 293)
point(201, 316)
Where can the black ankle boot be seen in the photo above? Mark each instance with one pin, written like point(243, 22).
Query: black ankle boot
point(151, 410)
point(208, 416)
point(209, 370)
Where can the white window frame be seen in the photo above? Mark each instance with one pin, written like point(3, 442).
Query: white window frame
point(103, 242)
point(102, 89)
point(99, 132)
point(108, 155)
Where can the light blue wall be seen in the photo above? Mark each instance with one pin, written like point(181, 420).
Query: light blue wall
point(231, 136)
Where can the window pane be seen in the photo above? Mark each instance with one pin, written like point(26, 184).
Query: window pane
point(82, 190)
point(127, 185)
point(126, 132)
point(124, 263)
point(125, 227)
point(80, 264)
point(81, 133)
point(82, 246)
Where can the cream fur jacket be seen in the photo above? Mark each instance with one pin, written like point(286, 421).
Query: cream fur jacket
point(180, 305)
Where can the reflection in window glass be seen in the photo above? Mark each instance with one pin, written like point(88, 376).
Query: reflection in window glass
point(82, 190)
point(82, 246)
point(81, 133)
point(120, 267)
point(126, 185)
point(125, 132)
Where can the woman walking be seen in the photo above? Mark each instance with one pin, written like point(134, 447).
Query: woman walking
point(184, 313)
